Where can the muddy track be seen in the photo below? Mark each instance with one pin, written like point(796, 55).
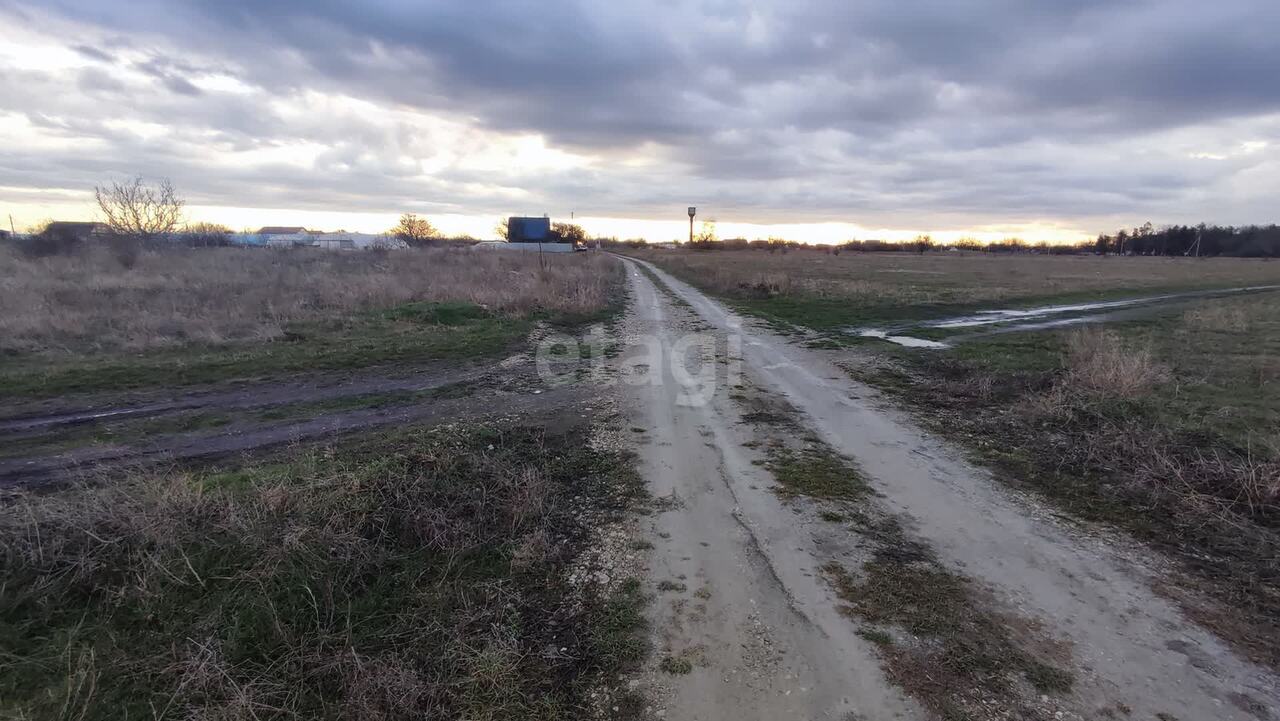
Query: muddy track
point(764, 633)
point(38, 417)
point(508, 387)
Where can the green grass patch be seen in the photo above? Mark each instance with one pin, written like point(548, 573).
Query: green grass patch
point(616, 626)
point(817, 472)
point(417, 333)
point(675, 665)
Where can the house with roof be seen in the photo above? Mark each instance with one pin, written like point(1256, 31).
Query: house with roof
point(282, 230)
point(285, 236)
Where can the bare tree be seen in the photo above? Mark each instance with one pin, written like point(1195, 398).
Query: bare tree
point(923, 243)
point(414, 231)
point(501, 229)
point(136, 210)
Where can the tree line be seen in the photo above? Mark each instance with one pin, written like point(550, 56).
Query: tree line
point(1250, 241)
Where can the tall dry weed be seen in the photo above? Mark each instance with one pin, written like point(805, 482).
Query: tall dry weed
point(1102, 364)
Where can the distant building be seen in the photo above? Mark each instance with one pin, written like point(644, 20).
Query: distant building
point(316, 239)
point(81, 230)
point(525, 245)
point(285, 236)
point(333, 241)
point(343, 240)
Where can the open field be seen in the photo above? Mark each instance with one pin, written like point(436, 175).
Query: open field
point(83, 323)
point(824, 290)
point(1166, 425)
point(468, 536)
point(387, 515)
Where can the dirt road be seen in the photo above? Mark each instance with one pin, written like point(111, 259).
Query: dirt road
point(509, 386)
point(737, 570)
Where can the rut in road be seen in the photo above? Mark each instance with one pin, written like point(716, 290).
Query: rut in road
point(766, 631)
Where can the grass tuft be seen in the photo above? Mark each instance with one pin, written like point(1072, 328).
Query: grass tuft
point(816, 471)
point(675, 665)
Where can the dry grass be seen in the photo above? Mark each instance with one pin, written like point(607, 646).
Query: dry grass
point(88, 302)
point(1219, 316)
point(379, 581)
point(1101, 363)
point(899, 278)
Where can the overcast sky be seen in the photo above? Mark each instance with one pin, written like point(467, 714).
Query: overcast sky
point(1044, 118)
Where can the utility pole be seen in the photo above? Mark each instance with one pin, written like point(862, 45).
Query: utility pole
point(692, 212)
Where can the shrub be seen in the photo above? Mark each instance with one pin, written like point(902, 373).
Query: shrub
point(1101, 364)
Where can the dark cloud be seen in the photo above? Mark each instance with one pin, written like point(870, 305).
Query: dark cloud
point(171, 74)
point(985, 109)
point(93, 53)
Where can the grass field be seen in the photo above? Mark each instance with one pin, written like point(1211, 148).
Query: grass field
point(823, 290)
point(187, 316)
point(419, 572)
point(1166, 425)
point(414, 574)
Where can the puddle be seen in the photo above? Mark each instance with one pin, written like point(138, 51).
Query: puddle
point(1011, 320)
point(903, 340)
point(991, 317)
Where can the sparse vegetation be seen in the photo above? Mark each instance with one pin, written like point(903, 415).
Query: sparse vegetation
point(392, 577)
point(825, 291)
point(675, 665)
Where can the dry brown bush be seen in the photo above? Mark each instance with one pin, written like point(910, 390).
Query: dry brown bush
point(88, 302)
point(1101, 363)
